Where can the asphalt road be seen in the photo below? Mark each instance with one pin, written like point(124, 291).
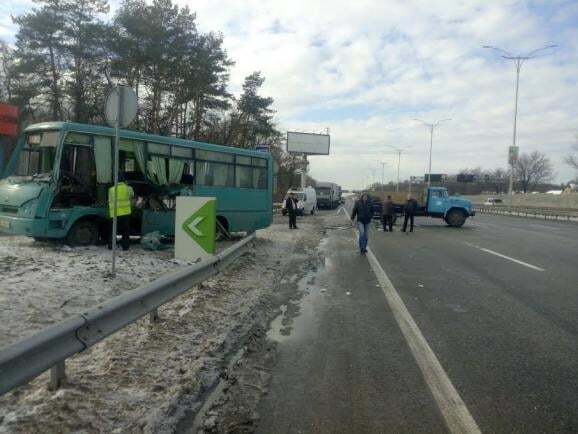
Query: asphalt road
point(495, 300)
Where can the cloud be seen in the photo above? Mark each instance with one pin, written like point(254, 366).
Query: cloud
point(398, 60)
point(365, 69)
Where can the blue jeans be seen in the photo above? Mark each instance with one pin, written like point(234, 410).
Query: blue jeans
point(363, 228)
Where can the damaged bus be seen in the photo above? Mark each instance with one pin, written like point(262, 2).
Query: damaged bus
point(55, 185)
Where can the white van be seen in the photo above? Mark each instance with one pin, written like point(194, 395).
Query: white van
point(307, 200)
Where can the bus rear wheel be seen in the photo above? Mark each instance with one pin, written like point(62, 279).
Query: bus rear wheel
point(456, 218)
point(83, 233)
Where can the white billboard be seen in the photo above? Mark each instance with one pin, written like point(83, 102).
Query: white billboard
point(307, 143)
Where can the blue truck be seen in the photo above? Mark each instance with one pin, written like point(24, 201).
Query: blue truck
point(433, 202)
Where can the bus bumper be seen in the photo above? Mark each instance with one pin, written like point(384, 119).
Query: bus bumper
point(10, 225)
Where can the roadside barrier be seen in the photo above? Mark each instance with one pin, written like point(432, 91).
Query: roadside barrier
point(559, 214)
point(48, 349)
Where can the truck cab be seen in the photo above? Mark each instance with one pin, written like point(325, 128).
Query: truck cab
point(454, 210)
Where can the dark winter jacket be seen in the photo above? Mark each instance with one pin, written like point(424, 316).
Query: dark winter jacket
point(363, 211)
point(291, 205)
point(387, 208)
point(411, 206)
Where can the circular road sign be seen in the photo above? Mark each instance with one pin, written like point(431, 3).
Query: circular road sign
point(128, 106)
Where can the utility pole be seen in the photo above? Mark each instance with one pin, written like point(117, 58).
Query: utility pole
point(382, 176)
point(399, 152)
point(431, 127)
point(518, 61)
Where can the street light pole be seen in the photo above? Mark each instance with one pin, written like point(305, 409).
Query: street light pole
point(519, 61)
point(431, 127)
point(398, 151)
point(382, 176)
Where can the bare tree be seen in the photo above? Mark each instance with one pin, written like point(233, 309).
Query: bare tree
point(572, 159)
point(532, 169)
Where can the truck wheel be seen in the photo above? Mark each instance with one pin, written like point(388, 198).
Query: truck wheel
point(456, 218)
point(83, 233)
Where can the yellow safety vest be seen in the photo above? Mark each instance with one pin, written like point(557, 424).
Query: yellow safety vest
point(125, 194)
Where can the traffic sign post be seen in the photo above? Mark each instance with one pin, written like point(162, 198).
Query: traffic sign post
point(195, 226)
point(120, 111)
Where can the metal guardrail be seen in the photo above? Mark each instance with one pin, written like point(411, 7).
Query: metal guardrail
point(559, 214)
point(48, 349)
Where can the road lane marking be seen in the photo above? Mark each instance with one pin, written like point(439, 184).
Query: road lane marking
point(509, 258)
point(453, 409)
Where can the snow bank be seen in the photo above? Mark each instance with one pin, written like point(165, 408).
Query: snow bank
point(43, 283)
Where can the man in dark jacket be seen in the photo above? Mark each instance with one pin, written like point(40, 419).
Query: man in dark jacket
point(291, 207)
point(364, 213)
point(410, 210)
point(387, 214)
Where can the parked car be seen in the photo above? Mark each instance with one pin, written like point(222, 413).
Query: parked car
point(490, 201)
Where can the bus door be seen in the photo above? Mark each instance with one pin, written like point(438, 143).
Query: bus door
point(77, 178)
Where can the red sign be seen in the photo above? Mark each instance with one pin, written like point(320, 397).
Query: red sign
point(8, 120)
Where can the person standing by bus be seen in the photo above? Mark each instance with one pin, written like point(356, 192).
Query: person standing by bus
point(291, 207)
point(123, 212)
point(410, 210)
point(387, 214)
point(364, 213)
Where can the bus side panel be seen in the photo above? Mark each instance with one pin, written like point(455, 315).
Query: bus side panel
point(246, 210)
point(60, 221)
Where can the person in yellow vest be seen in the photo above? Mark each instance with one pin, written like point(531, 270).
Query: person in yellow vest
point(123, 212)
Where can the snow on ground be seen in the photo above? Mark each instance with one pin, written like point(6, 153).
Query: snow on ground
point(146, 377)
point(43, 283)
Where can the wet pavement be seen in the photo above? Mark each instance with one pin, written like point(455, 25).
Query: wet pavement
point(343, 364)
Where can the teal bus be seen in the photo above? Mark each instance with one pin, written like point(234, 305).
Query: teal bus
point(55, 185)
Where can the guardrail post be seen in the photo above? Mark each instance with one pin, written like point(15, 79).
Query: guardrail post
point(57, 375)
point(154, 316)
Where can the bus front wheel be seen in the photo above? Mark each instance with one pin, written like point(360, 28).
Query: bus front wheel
point(83, 233)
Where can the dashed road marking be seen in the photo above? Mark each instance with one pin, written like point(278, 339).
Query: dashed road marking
point(509, 258)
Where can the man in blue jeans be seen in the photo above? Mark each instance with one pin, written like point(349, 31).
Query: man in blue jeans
point(362, 210)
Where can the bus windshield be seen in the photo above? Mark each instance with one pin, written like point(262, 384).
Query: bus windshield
point(37, 157)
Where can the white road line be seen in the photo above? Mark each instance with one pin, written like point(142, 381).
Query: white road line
point(454, 411)
point(456, 415)
point(517, 261)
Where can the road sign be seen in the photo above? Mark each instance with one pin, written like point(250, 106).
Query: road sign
point(127, 106)
point(195, 224)
point(513, 155)
point(262, 148)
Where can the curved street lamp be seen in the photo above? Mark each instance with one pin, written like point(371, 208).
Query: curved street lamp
point(431, 127)
point(519, 61)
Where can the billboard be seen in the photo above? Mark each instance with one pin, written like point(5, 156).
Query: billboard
point(8, 120)
point(307, 143)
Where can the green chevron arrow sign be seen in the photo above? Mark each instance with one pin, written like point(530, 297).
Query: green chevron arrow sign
point(195, 227)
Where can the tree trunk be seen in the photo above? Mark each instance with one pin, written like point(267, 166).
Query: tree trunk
point(56, 110)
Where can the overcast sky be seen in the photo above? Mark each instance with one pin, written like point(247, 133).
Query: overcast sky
point(366, 68)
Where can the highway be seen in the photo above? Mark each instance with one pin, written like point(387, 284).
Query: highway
point(492, 314)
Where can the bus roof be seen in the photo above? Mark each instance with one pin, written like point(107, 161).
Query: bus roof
point(136, 135)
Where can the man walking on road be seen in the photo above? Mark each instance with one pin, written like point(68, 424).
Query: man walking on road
point(410, 209)
point(291, 207)
point(362, 210)
point(387, 214)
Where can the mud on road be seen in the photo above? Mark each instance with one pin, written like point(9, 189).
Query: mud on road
point(203, 367)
